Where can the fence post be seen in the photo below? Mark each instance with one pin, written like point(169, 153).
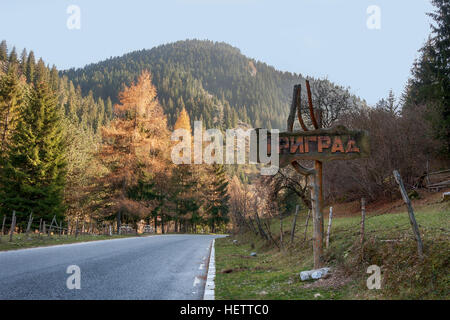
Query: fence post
point(13, 226)
point(76, 229)
point(330, 217)
point(281, 231)
point(306, 224)
point(3, 224)
point(317, 216)
point(294, 223)
point(51, 225)
point(363, 219)
point(30, 221)
point(412, 218)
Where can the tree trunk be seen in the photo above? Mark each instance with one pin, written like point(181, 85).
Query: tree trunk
point(119, 223)
point(13, 226)
point(3, 224)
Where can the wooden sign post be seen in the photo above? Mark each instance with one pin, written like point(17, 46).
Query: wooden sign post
point(320, 145)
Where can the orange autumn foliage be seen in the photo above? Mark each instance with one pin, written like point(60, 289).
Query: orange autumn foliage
point(135, 146)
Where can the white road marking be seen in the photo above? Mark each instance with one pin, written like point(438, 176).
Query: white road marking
point(196, 281)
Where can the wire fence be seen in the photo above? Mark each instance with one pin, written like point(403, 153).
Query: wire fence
point(377, 228)
point(17, 225)
point(381, 227)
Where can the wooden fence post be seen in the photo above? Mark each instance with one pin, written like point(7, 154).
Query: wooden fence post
point(76, 229)
point(330, 217)
point(281, 231)
point(30, 221)
point(13, 226)
point(294, 223)
point(306, 224)
point(363, 219)
point(317, 222)
point(51, 225)
point(3, 224)
point(412, 218)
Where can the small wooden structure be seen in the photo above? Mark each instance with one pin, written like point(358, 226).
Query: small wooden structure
point(148, 229)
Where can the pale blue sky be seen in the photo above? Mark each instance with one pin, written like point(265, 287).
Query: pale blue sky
point(321, 38)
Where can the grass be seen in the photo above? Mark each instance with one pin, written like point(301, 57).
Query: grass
point(274, 273)
point(21, 241)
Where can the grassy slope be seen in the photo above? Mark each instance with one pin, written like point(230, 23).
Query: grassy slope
point(274, 274)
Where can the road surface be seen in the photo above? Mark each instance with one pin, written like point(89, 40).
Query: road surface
point(154, 267)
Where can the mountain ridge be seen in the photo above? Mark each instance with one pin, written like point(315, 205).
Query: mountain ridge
point(214, 81)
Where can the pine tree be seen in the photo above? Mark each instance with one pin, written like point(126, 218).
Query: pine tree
point(218, 198)
point(29, 71)
point(3, 51)
point(108, 109)
point(183, 121)
point(13, 56)
point(23, 61)
point(11, 94)
point(33, 174)
point(41, 73)
point(430, 83)
point(184, 192)
point(54, 78)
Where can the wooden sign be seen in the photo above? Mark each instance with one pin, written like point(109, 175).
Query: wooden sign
point(337, 143)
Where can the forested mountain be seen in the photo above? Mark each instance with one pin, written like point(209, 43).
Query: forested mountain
point(68, 155)
point(213, 81)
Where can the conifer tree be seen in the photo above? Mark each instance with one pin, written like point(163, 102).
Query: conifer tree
point(13, 56)
point(183, 121)
point(3, 51)
point(430, 82)
point(135, 151)
point(185, 193)
point(29, 71)
point(33, 173)
point(23, 61)
point(218, 199)
point(108, 109)
point(11, 94)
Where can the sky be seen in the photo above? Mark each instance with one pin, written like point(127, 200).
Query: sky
point(369, 51)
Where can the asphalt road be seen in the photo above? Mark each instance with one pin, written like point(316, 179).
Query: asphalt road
point(154, 267)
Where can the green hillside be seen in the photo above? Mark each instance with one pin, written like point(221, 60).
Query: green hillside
point(214, 81)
